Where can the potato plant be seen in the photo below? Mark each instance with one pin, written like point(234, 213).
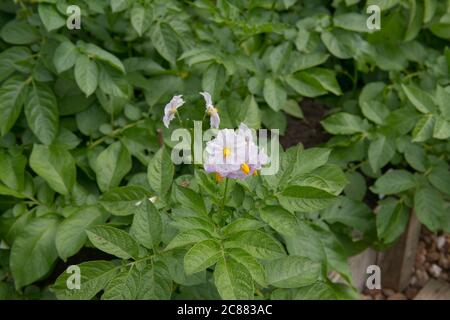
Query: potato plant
point(88, 113)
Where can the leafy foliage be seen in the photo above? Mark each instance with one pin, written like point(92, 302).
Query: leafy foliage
point(85, 159)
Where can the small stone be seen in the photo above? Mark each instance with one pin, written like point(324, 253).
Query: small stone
point(397, 296)
point(388, 292)
point(422, 277)
point(420, 259)
point(410, 293)
point(413, 280)
point(433, 256)
point(444, 262)
point(444, 277)
point(440, 242)
point(435, 270)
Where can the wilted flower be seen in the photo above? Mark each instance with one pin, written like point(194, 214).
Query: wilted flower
point(211, 110)
point(171, 109)
point(233, 154)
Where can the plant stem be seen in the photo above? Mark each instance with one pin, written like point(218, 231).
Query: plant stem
point(115, 133)
point(224, 199)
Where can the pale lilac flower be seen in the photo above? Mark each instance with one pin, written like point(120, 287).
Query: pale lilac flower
point(211, 110)
point(233, 154)
point(171, 109)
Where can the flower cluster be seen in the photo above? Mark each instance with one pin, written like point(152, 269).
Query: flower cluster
point(234, 154)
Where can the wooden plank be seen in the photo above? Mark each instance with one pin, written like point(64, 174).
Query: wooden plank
point(397, 263)
point(358, 267)
point(434, 290)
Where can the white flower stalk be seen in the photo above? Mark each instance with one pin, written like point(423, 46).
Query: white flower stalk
point(233, 154)
point(171, 109)
point(211, 111)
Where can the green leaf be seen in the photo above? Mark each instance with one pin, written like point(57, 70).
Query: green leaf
point(160, 172)
point(274, 94)
point(102, 55)
point(392, 219)
point(33, 253)
point(375, 111)
point(71, 233)
point(292, 272)
point(147, 225)
point(345, 123)
point(250, 113)
point(279, 219)
point(415, 156)
point(422, 100)
point(151, 283)
point(305, 198)
point(442, 97)
point(94, 275)
point(250, 263)
point(383, 4)
point(381, 151)
point(307, 85)
point(123, 201)
point(416, 15)
point(327, 79)
point(214, 79)
point(233, 280)
point(187, 238)
point(191, 199)
point(55, 165)
point(242, 224)
point(351, 21)
point(356, 188)
point(112, 165)
point(164, 40)
point(310, 159)
point(50, 17)
point(394, 181)
point(279, 55)
point(10, 60)
point(292, 108)
point(42, 113)
point(12, 169)
point(119, 5)
point(65, 56)
point(139, 19)
point(12, 98)
point(201, 256)
point(86, 74)
point(351, 213)
point(429, 208)
point(424, 128)
point(299, 62)
point(429, 10)
point(440, 179)
point(258, 243)
point(113, 241)
point(19, 32)
point(441, 129)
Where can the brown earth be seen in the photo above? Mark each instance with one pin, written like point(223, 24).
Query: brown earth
point(308, 131)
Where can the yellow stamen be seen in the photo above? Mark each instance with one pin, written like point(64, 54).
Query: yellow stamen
point(212, 111)
point(219, 178)
point(245, 168)
point(173, 110)
point(226, 152)
point(255, 173)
